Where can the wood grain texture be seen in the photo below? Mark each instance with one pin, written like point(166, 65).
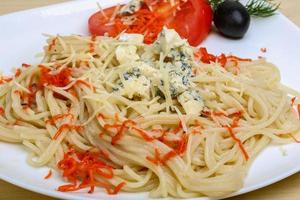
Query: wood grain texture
point(287, 189)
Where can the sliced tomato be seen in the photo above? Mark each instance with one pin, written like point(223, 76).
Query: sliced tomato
point(192, 21)
point(99, 22)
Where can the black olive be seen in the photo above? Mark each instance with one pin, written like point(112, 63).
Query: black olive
point(232, 19)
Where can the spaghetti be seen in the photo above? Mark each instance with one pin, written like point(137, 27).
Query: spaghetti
point(165, 118)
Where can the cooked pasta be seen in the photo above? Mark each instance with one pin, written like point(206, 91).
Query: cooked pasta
point(165, 118)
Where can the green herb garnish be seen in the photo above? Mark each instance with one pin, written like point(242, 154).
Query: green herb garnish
point(214, 3)
point(261, 8)
point(258, 8)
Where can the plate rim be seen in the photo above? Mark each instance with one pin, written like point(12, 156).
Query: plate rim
point(66, 195)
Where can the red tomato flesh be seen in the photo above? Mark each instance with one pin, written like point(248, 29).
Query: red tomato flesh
point(192, 21)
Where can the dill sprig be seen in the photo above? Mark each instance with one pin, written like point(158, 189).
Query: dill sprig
point(261, 8)
point(258, 8)
point(214, 3)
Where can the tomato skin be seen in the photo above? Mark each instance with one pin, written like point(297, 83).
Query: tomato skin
point(97, 22)
point(193, 21)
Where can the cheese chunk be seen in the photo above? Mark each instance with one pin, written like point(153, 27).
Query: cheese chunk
point(168, 39)
point(132, 37)
point(126, 54)
point(147, 70)
point(136, 86)
point(191, 102)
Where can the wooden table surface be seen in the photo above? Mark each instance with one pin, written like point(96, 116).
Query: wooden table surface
point(288, 189)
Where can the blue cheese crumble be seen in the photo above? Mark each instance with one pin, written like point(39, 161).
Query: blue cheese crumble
point(134, 84)
point(191, 102)
point(131, 7)
point(164, 67)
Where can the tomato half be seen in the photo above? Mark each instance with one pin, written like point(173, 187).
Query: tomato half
point(98, 23)
point(192, 21)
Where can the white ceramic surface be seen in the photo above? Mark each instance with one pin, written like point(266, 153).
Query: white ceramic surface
point(21, 39)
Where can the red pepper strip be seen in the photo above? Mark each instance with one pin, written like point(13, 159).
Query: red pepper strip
point(48, 175)
point(198, 123)
point(237, 114)
point(25, 65)
point(101, 134)
point(235, 122)
point(69, 165)
point(59, 80)
point(162, 132)
point(204, 56)
point(153, 160)
point(5, 79)
point(146, 22)
point(222, 60)
point(182, 145)
point(179, 146)
point(67, 188)
point(208, 58)
point(101, 116)
point(293, 101)
point(105, 153)
point(1, 110)
point(84, 168)
point(144, 134)
point(18, 73)
point(112, 126)
point(58, 117)
point(157, 154)
point(117, 118)
point(85, 183)
point(86, 84)
point(239, 59)
point(64, 127)
point(91, 181)
point(121, 131)
point(71, 90)
point(298, 108)
point(108, 174)
point(162, 138)
point(195, 132)
point(117, 188)
point(30, 97)
point(106, 186)
point(81, 62)
point(92, 44)
point(178, 128)
point(52, 44)
point(169, 156)
point(229, 128)
point(263, 50)
point(108, 189)
point(212, 113)
point(156, 160)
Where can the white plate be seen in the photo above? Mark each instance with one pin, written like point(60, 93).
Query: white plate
point(21, 38)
